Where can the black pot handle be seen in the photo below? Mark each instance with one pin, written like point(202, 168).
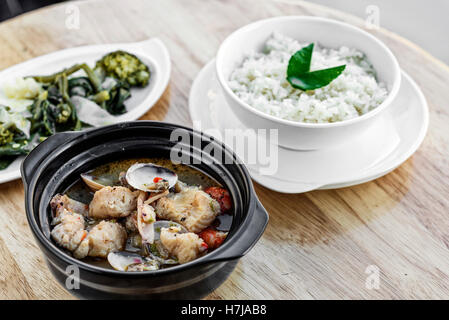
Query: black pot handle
point(34, 158)
point(252, 232)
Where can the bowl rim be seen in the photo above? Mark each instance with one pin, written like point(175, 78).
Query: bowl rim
point(47, 244)
point(230, 94)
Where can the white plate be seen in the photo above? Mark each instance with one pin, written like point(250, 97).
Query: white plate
point(152, 52)
point(381, 149)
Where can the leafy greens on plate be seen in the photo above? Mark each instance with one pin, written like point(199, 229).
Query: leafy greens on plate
point(40, 106)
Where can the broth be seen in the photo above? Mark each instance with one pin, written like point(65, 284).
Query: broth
point(108, 175)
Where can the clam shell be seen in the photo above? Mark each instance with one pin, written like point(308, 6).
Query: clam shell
point(121, 260)
point(142, 176)
point(94, 186)
point(158, 225)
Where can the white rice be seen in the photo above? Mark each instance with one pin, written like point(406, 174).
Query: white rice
point(261, 82)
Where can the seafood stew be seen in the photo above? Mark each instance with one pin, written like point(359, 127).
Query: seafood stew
point(141, 215)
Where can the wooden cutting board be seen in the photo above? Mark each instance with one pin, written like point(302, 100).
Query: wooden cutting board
point(317, 245)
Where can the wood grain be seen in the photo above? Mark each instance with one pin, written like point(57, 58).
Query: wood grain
point(317, 245)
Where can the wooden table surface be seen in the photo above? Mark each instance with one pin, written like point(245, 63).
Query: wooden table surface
point(317, 245)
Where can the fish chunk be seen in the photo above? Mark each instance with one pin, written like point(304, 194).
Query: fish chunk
point(70, 229)
point(60, 201)
point(184, 246)
point(112, 203)
point(105, 237)
point(192, 207)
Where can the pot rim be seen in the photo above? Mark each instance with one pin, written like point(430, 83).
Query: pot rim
point(208, 258)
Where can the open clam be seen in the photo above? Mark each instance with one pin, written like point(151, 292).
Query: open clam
point(149, 177)
point(146, 177)
point(126, 261)
point(121, 260)
point(94, 182)
point(146, 217)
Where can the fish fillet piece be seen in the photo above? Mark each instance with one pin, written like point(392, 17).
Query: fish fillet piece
point(105, 237)
point(70, 230)
point(62, 201)
point(184, 246)
point(192, 207)
point(113, 203)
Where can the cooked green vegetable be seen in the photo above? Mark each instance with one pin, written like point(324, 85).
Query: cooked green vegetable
point(117, 96)
point(101, 97)
point(15, 148)
point(125, 67)
point(6, 135)
point(13, 142)
point(5, 161)
point(80, 86)
point(93, 78)
point(300, 76)
point(53, 109)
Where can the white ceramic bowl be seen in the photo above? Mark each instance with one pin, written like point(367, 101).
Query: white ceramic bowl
point(328, 33)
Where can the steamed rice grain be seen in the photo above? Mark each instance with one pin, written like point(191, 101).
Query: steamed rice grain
point(261, 82)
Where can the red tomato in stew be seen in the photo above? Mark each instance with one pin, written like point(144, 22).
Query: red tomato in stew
point(212, 238)
point(222, 196)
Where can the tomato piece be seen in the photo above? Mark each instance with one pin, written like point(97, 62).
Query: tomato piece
point(221, 196)
point(212, 237)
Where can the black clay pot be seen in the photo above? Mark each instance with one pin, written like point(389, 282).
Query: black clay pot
point(57, 162)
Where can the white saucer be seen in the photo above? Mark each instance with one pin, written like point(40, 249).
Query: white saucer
point(382, 148)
